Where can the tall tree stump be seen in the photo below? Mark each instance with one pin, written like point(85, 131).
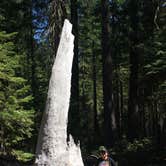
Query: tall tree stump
point(52, 147)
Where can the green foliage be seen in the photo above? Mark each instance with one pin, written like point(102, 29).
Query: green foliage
point(120, 1)
point(22, 156)
point(89, 48)
point(16, 114)
point(43, 71)
point(139, 145)
point(124, 146)
point(138, 152)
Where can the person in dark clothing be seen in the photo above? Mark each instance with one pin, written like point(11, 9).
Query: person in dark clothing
point(104, 159)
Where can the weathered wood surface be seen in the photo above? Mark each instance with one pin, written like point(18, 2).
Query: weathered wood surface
point(52, 148)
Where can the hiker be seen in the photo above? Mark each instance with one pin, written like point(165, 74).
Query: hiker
point(104, 159)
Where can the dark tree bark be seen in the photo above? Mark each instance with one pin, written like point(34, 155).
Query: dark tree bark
point(147, 20)
point(107, 74)
point(117, 105)
point(115, 115)
point(96, 125)
point(74, 107)
point(142, 112)
point(121, 110)
point(75, 68)
point(57, 15)
point(133, 115)
point(136, 92)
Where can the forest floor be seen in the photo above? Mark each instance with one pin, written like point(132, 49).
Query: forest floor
point(152, 157)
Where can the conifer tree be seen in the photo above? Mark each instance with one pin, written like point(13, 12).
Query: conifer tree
point(16, 114)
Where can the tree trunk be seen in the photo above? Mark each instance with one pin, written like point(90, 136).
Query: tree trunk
point(75, 68)
point(58, 14)
point(121, 110)
point(96, 125)
point(109, 116)
point(74, 107)
point(117, 106)
point(133, 115)
point(52, 147)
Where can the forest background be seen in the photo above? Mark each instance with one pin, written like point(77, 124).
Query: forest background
point(118, 95)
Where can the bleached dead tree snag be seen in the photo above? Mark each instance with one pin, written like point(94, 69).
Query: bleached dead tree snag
point(52, 146)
